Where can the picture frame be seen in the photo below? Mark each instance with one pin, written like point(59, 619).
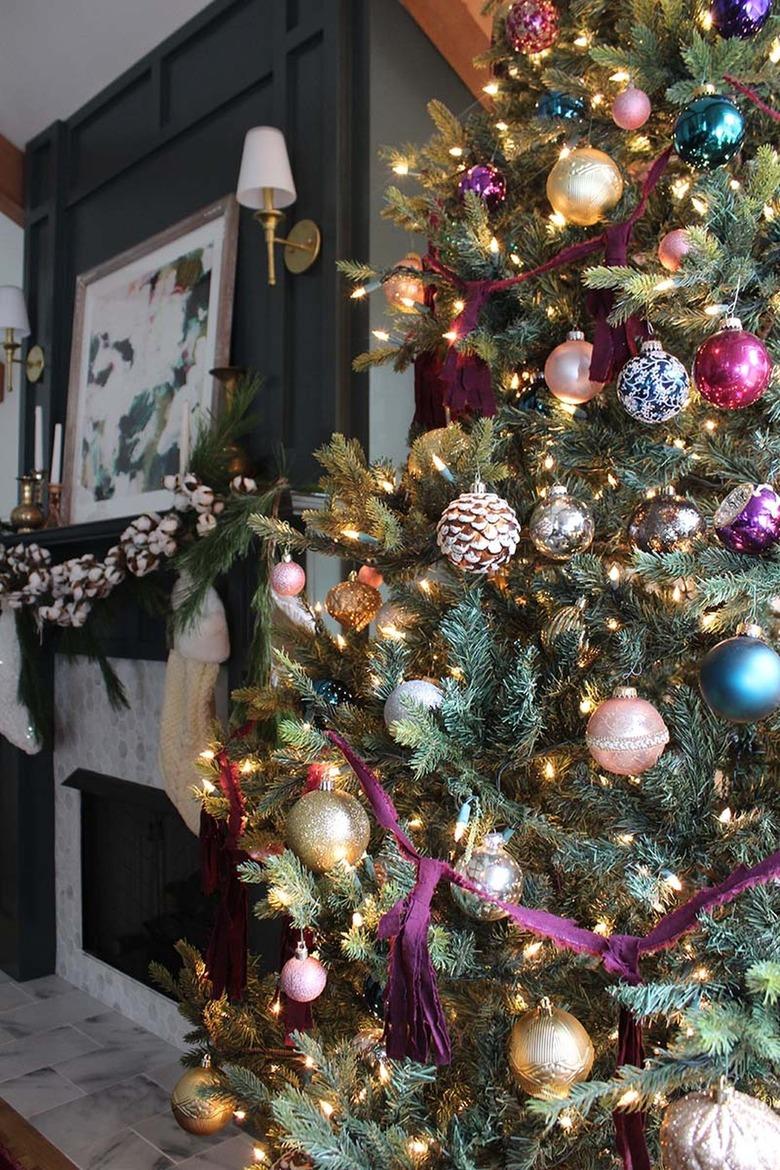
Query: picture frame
point(148, 326)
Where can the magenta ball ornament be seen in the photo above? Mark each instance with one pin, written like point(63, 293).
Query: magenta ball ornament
point(748, 520)
point(567, 370)
point(302, 978)
point(672, 248)
point(487, 182)
point(732, 368)
point(631, 109)
point(532, 25)
point(287, 578)
point(625, 734)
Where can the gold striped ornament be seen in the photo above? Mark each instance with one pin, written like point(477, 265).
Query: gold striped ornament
point(549, 1051)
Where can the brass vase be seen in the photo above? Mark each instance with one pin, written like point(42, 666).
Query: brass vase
point(28, 515)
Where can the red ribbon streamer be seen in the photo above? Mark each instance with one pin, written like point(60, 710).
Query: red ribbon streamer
point(415, 1025)
point(752, 96)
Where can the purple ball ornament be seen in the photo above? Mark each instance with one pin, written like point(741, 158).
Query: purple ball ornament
point(487, 182)
point(287, 577)
point(748, 520)
point(532, 25)
point(740, 18)
point(732, 368)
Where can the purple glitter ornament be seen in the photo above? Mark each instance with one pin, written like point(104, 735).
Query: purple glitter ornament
point(486, 181)
point(740, 18)
point(531, 25)
point(748, 520)
point(732, 368)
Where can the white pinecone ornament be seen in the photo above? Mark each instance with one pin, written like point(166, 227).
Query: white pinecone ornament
point(478, 532)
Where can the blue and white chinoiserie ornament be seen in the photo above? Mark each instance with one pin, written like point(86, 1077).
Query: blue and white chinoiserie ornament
point(653, 386)
point(740, 678)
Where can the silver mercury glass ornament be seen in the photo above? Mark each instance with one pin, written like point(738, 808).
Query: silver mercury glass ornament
point(665, 523)
point(561, 525)
point(496, 872)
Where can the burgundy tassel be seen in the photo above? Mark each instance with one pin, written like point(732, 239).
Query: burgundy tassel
point(630, 1127)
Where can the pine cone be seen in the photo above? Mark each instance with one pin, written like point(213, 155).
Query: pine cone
point(478, 532)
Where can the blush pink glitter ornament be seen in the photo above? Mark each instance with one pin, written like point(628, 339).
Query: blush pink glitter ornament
point(287, 577)
point(370, 576)
point(302, 978)
point(733, 367)
point(672, 248)
point(631, 109)
point(567, 370)
point(625, 734)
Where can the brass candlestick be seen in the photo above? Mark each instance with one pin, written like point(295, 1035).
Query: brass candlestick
point(28, 514)
point(239, 462)
point(39, 480)
point(54, 512)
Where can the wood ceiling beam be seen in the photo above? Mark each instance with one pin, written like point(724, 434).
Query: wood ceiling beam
point(11, 181)
point(459, 31)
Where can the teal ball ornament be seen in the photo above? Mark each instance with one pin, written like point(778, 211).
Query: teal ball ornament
point(561, 106)
point(709, 132)
point(740, 678)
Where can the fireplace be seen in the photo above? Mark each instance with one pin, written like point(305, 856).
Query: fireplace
point(140, 876)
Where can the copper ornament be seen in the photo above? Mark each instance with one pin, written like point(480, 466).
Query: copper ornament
point(720, 1130)
point(478, 532)
point(549, 1051)
point(353, 604)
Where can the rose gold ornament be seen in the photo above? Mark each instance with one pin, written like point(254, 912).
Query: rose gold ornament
point(567, 370)
point(302, 978)
point(549, 1051)
point(631, 109)
point(353, 604)
point(287, 577)
point(625, 734)
point(720, 1130)
point(673, 247)
point(370, 576)
point(403, 291)
point(584, 185)
point(325, 828)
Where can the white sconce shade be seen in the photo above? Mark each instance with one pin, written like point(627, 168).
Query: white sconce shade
point(265, 164)
point(13, 311)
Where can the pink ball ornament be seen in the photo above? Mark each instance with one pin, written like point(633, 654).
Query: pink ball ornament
point(370, 576)
point(732, 368)
point(631, 109)
point(302, 978)
point(532, 25)
point(567, 370)
point(287, 577)
point(672, 248)
point(625, 734)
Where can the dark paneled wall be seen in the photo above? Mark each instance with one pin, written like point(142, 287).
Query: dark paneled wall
point(164, 140)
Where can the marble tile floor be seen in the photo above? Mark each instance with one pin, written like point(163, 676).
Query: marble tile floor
point(97, 1085)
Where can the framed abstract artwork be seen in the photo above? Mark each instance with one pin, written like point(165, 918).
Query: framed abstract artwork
point(147, 328)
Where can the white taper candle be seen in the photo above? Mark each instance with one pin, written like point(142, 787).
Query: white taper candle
point(184, 439)
point(38, 446)
point(56, 454)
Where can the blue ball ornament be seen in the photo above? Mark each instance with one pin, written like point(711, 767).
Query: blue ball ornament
point(709, 132)
point(332, 691)
point(740, 18)
point(740, 679)
point(565, 106)
point(653, 386)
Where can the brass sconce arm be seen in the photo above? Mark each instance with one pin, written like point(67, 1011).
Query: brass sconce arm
point(301, 246)
point(34, 363)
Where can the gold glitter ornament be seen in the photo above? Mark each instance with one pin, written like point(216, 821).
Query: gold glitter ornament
point(549, 1051)
point(720, 1130)
point(326, 827)
point(353, 604)
point(478, 532)
point(584, 185)
point(194, 1110)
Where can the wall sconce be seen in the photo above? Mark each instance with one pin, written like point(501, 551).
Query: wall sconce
point(265, 183)
point(16, 326)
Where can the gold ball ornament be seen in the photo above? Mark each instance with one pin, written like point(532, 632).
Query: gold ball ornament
point(353, 604)
point(720, 1130)
point(549, 1051)
point(326, 827)
point(194, 1110)
point(584, 185)
point(402, 290)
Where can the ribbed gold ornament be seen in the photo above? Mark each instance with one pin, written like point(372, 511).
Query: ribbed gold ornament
point(549, 1051)
point(584, 185)
point(326, 827)
point(566, 620)
point(352, 604)
point(720, 1130)
point(193, 1109)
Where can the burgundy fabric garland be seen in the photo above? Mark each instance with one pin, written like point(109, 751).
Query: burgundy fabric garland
point(415, 1025)
point(612, 344)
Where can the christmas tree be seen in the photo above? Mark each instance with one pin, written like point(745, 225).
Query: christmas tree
point(519, 821)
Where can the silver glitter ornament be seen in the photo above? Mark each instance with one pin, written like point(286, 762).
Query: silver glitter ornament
point(496, 872)
point(666, 523)
point(561, 525)
point(720, 1130)
point(421, 692)
point(478, 532)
